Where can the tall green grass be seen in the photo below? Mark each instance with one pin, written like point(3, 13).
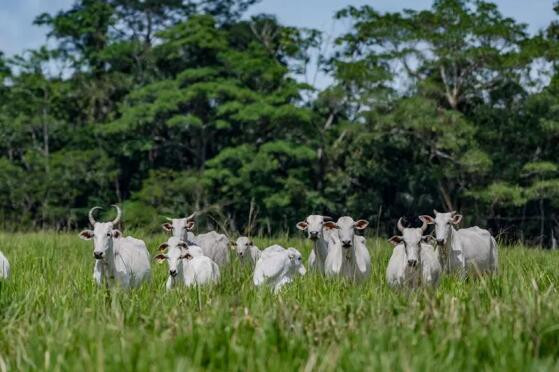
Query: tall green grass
point(53, 317)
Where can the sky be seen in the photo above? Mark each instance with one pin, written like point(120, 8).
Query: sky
point(18, 34)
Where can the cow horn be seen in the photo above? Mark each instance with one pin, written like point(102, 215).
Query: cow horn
point(424, 226)
point(452, 213)
point(326, 218)
point(118, 214)
point(191, 217)
point(435, 211)
point(400, 225)
point(91, 218)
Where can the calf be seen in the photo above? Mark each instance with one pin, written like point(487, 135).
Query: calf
point(464, 249)
point(4, 267)
point(348, 256)
point(277, 267)
point(413, 261)
point(118, 260)
point(213, 244)
point(318, 230)
point(247, 252)
point(187, 264)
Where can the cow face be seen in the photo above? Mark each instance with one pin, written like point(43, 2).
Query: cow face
point(102, 235)
point(173, 251)
point(242, 247)
point(314, 224)
point(411, 238)
point(443, 224)
point(296, 261)
point(179, 227)
point(346, 230)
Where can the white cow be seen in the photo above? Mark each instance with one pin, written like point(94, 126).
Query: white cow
point(247, 252)
point(187, 264)
point(277, 267)
point(464, 249)
point(118, 260)
point(213, 244)
point(4, 267)
point(318, 230)
point(348, 256)
point(413, 261)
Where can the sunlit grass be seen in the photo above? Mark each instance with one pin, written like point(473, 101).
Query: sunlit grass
point(52, 317)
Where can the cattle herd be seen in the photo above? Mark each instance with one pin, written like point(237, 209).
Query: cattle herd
point(418, 258)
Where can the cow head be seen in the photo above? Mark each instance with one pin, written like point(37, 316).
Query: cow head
point(242, 246)
point(173, 251)
point(102, 234)
point(296, 261)
point(443, 224)
point(314, 225)
point(346, 230)
point(411, 238)
point(179, 227)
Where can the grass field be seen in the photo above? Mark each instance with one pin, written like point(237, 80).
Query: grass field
point(53, 317)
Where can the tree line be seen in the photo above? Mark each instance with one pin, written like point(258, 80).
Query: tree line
point(174, 106)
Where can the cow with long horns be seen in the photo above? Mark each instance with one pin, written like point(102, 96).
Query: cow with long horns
point(213, 244)
point(124, 261)
point(318, 230)
point(414, 261)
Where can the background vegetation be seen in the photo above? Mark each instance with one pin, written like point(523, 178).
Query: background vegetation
point(172, 106)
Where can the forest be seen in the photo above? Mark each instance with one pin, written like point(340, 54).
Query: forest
point(167, 107)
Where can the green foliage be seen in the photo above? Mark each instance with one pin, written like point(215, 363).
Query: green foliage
point(170, 106)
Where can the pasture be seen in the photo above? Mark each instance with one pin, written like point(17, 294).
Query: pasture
point(53, 317)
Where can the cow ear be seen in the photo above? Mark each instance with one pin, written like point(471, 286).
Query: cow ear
point(428, 239)
point(163, 247)
point(160, 258)
point(302, 225)
point(361, 224)
point(189, 225)
point(427, 219)
point(395, 240)
point(86, 235)
point(330, 225)
point(456, 219)
point(167, 227)
point(187, 256)
point(117, 234)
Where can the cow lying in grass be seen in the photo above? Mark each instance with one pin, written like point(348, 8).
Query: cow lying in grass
point(277, 267)
point(188, 265)
point(247, 252)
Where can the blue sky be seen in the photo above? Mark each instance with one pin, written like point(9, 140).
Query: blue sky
point(17, 33)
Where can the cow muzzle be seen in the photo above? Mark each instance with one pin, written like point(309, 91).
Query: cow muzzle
point(412, 263)
point(173, 273)
point(440, 242)
point(313, 235)
point(346, 243)
point(98, 255)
